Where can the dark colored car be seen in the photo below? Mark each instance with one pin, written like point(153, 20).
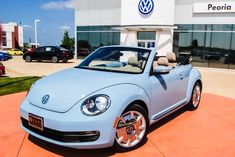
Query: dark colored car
point(53, 53)
point(230, 58)
point(2, 69)
point(5, 56)
point(83, 52)
point(24, 50)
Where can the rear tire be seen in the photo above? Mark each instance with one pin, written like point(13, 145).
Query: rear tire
point(196, 97)
point(131, 129)
point(54, 59)
point(28, 59)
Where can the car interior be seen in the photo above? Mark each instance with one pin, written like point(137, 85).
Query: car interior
point(171, 60)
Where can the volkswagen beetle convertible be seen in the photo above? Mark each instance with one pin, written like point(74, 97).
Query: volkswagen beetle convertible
point(110, 99)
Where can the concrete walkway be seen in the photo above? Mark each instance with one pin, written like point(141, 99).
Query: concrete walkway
point(208, 131)
point(219, 81)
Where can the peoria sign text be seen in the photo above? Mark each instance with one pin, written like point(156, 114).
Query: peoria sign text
point(216, 7)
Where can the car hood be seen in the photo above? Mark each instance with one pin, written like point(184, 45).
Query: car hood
point(68, 87)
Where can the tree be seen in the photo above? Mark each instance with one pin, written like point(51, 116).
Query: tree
point(26, 45)
point(67, 42)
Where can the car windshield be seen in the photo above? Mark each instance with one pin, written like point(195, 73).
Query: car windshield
point(62, 49)
point(117, 59)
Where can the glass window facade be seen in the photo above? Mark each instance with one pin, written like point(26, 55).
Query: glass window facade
point(146, 35)
point(90, 38)
point(210, 45)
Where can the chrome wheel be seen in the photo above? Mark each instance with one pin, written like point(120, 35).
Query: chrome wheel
point(131, 129)
point(28, 59)
point(196, 96)
point(54, 59)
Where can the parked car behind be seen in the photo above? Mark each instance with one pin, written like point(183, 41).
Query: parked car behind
point(5, 56)
point(230, 58)
point(2, 69)
point(15, 52)
point(83, 52)
point(24, 50)
point(53, 53)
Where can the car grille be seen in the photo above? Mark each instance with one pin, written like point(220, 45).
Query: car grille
point(85, 136)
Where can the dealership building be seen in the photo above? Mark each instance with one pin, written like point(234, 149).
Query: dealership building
point(12, 36)
point(201, 28)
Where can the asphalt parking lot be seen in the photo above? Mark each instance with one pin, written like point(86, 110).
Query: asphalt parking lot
point(17, 67)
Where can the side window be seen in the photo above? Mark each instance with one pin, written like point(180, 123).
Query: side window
point(40, 49)
point(48, 49)
point(53, 49)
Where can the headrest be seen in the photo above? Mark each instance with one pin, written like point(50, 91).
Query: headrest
point(171, 57)
point(163, 61)
point(133, 61)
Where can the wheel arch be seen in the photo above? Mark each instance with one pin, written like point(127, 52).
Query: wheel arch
point(195, 76)
point(200, 82)
point(126, 98)
point(140, 103)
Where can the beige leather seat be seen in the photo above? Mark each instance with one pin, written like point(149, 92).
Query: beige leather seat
point(171, 58)
point(133, 61)
point(163, 61)
point(155, 64)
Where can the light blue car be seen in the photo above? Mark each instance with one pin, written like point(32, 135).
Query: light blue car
point(110, 99)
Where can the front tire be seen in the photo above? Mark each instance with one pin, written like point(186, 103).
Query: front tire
point(196, 97)
point(131, 129)
point(28, 59)
point(54, 59)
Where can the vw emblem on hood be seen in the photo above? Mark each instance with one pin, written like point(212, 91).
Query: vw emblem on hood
point(45, 99)
point(146, 6)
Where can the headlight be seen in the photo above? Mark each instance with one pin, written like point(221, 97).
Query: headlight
point(95, 105)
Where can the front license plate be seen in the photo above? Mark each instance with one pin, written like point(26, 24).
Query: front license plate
point(36, 122)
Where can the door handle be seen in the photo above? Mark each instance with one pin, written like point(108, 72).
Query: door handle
point(181, 76)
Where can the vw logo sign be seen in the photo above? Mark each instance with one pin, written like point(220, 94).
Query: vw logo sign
point(45, 99)
point(146, 6)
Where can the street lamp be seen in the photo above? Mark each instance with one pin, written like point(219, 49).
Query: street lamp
point(36, 35)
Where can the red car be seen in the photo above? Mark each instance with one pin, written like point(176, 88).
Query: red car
point(2, 69)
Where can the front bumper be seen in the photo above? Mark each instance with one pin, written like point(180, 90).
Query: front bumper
point(71, 129)
point(85, 136)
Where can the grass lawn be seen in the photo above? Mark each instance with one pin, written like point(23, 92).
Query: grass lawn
point(15, 85)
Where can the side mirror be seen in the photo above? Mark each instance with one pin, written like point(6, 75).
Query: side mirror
point(162, 69)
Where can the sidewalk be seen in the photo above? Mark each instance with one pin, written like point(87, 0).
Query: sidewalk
point(208, 131)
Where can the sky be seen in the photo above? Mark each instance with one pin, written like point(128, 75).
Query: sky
point(55, 17)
